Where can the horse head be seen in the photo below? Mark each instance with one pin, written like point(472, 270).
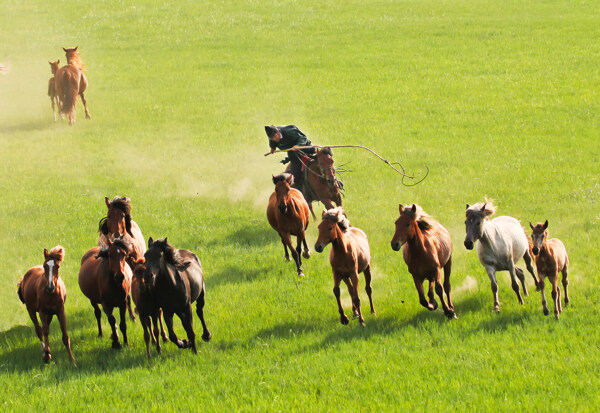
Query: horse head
point(163, 258)
point(283, 183)
point(405, 229)
point(54, 66)
point(331, 220)
point(118, 218)
point(325, 160)
point(476, 216)
point(52, 262)
point(117, 254)
point(539, 236)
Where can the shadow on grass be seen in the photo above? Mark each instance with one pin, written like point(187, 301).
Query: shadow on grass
point(254, 236)
point(28, 126)
point(235, 275)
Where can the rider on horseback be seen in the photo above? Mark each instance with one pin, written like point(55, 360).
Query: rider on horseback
point(287, 137)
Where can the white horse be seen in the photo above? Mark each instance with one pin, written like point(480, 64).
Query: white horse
point(502, 243)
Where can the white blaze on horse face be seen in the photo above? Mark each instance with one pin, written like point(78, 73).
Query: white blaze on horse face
point(50, 264)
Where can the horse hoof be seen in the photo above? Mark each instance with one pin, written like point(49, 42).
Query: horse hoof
point(451, 315)
point(362, 323)
point(546, 312)
point(47, 357)
point(206, 337)
point(116, 345)
point(344, 320)
point(288, 259)
point(556, 316)
point(496, 309)
point(306, 254)
point(301, 274)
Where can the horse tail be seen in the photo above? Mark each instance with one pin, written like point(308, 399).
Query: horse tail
point(20, 291)
point(69, 88)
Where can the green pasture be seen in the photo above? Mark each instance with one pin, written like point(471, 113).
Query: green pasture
point(497, 98)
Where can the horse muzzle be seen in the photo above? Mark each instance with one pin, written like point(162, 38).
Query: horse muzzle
point(282, 208)
point(319, 247)
point(396, 245)
point(535, 250)
point(468, 244)
point(51, 289)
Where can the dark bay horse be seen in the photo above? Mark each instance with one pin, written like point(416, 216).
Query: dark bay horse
point(502, 243)
point(70, 82)
point(177, 279)
point(320, 182)
point(146, 305)
point(287, 213)
point(350, 255)
point(105, 279)
point(44, 292)
point(426, 249)
point(52, 89)
point(551, 258)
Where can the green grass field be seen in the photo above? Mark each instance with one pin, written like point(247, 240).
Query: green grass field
point(497, 98)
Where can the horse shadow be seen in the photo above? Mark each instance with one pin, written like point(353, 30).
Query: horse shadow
point(235, 275)
point(254, 236)
point(29, 126)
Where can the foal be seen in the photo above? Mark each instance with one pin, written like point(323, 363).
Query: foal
point(52, 88)
point(43, 291)
point(288, 214)
point(551, 258)
point(427, 248)
point(502, 243)
point(350, 255)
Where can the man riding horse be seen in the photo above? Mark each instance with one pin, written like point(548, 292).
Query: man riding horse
point(286, 137)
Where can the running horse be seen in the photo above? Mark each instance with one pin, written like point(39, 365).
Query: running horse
point(44, 292)
point(350, 255)
point(70, 82)
point(287, 213)
point(426, 249)
point(502, 243)
point(551, 259)
point(52, 88)
point(320, 182)
point(105, 279)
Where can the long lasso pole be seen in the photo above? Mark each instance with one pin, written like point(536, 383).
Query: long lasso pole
point(350, 146)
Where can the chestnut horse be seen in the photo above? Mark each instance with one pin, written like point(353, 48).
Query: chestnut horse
point(551, 258)
point(502, 243)
point(287, 213)
point(52, 89)
point(146, 305)
point(320, 183)
point(70, 82)
point(43, 291)
point(175, 275)
point(350, 255)
point(105, 278)
point(426, 249)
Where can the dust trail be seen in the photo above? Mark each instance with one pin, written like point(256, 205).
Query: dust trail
point(468, 285)
point(345, 296)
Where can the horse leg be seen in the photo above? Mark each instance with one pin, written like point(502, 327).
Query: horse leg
point(172, 336)
point(53, 108)
point(148, 335)
point(108, 310)
point(528, 260)
point(336, 291)
point(521, 277)
point(514, 284)
point(306, 253)
point(206, 336)
point(368, 288)
point(422, 299)
point(565, 283)
point(123, 322)
point(87, 112)
point(131, 315)
point(98, 314)
point(439, 290)
point(447, 288)
point(542, 284)
point(311, 210)
point(36, 325)
point(350, 290)
point(285, 249)
point(286, 238)
point(155, 316)
point(62, 319)
point(431, 296)
point(491, 271)
point(555, 295)
point(163, 333)
point(188, 325)
point(46, 319)
point(355, 297)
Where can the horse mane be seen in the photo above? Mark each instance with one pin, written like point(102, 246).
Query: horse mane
point(73, 58)
point(338, 215)
point(282, 177)
point(490, 208)
point(20, 291)
point(119, 243)
point(122, 203)
point(171, 255)
point(326, 151)
point(57, 253)
point(424, 220)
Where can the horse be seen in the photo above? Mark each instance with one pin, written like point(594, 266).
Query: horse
point(52, 89)
point(502, 243)
point(426, 249)
point(146, 305)
point(176, 277)
point(350, 255)
point(70, 82)
point(551, 257)
point(118, 223)
point(105, 278)
point(43, 291)
point(287, 213)
point(320, 182)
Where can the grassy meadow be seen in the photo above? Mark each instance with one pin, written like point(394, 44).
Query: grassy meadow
point(497, 98)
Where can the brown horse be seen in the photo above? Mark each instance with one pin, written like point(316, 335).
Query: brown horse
point(551, 258)
point(43, 291)
point(105, 278)
point(427, 248)
point(287, 213)
point(146, 305)
point(320, 182)
point(70, 82)
point(52, 89)
point(350, 255)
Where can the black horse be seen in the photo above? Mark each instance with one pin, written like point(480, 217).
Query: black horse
point(176, 276)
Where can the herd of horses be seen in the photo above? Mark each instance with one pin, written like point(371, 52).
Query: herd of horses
point(165, 281)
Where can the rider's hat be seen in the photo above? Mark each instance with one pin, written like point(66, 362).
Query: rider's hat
point(271, 130)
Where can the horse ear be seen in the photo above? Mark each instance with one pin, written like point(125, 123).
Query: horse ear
point(400, 208)
point(76, 47)
point(46, 253)
point(546, 224)
point(65, 50)
point(274, 179)
point(58, 61)
point(150, 242)
point(468, 206)
point(483, 207)
point(290, 179)
point(414, 208)
point(323, 214)
point(109, 242)
point(165, 241)
point(107, 201)
point(531, 225)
